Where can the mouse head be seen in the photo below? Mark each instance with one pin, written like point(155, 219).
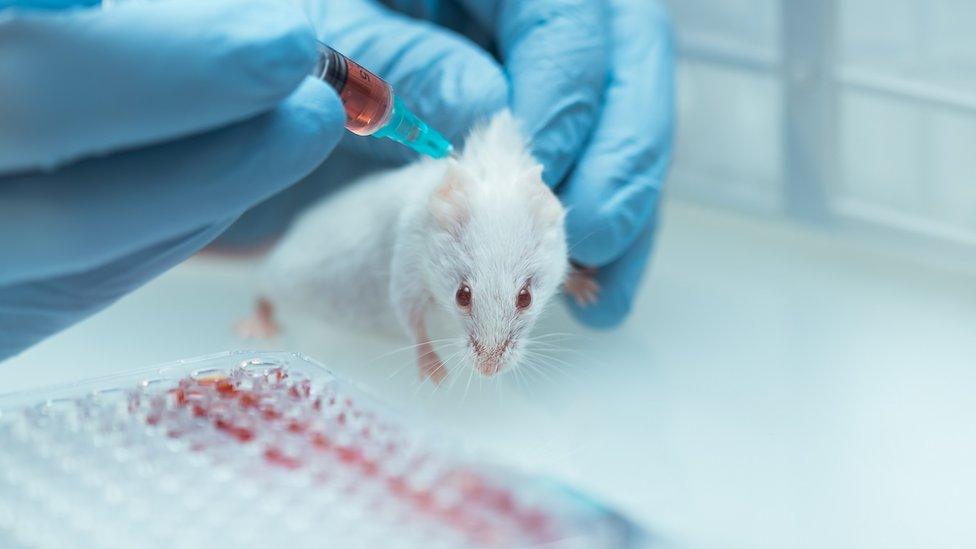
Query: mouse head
point(497, 244)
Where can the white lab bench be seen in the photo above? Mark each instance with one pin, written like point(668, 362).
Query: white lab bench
point(773, 388)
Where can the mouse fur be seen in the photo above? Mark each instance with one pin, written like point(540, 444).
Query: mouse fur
point(473, 244)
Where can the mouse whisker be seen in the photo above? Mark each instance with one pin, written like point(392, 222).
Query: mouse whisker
point(564, 335)
point(580, 241)
point(558, 340)
point(424, 380)
point(575, 366)
point(535, 368)
point(548, 361)
point(550, 364)
point(550, 379)
point(411, 347)
point(563, 375)
point(571, 334)
point(411, 362)
point(551, 359)
point(452, 369)
point(520, 378)
point(467, 385)
point(556, 351)
point(551, 347)
point(448, 366)
point(550, 342)
point(567, 353)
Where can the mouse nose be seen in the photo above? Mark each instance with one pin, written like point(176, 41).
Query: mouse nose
point(489, 367)
point(489, 357)
point(487, 351)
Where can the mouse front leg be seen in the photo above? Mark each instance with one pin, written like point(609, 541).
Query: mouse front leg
point(428, 361)
point(261, 324)
point(411, 313)
point(410, 303)
point(581, 284)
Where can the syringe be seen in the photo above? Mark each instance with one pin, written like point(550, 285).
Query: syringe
point(371, 107)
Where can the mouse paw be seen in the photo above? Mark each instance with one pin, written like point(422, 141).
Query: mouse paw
point(432, 368)
point(581, 284)
point(260, 325)
point(254, 327)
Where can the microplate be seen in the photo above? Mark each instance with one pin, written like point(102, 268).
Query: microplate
point(253, 449)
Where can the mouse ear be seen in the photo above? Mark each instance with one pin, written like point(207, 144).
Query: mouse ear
point(533, 175)
point(547, 206)
point(550, 209)
point(448, 204)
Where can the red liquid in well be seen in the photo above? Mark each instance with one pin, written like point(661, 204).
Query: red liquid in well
point(367, 99)
point(249, 415)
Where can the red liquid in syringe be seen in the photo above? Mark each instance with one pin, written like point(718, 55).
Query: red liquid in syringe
point(367, 98)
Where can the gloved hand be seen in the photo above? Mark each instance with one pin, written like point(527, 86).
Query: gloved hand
point(131, 137)
point(592, 81)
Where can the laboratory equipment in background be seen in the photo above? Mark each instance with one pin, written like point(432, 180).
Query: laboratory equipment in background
point(858, 116)
point(262, 450)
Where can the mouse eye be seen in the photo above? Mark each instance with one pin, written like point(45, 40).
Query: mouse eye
point(524, 299)
point(463, 296)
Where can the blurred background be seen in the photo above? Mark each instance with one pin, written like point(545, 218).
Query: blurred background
point(857, 116)
point(799, 367)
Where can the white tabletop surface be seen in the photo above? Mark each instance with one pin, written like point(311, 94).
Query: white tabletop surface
point(773, 388)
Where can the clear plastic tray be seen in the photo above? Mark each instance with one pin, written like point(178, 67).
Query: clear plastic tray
point(248, 449)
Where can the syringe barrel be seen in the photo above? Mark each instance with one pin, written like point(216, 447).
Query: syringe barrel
point(367, 98)
point(371, 108)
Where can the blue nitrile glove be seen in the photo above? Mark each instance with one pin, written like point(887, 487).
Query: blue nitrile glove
point(593, 82)
point(131, 137)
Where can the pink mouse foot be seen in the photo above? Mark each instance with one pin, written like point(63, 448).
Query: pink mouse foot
point(582, 285)
point(261, 324)
point(431, 367)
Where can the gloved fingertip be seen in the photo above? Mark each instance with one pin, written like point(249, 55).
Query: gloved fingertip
point(319, 98)
point(557, 55)
point(33, 309)
point(271, 49)
point(95, 81)
point(599, 229)
point(48, 4)
point(316, 120)
point(619, 282)
point(556, 143)
point(475, 96)
point(607, 313)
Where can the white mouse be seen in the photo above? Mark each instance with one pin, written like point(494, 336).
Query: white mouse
point(475, 243)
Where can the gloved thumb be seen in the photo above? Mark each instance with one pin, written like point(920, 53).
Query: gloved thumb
point(447, 80)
